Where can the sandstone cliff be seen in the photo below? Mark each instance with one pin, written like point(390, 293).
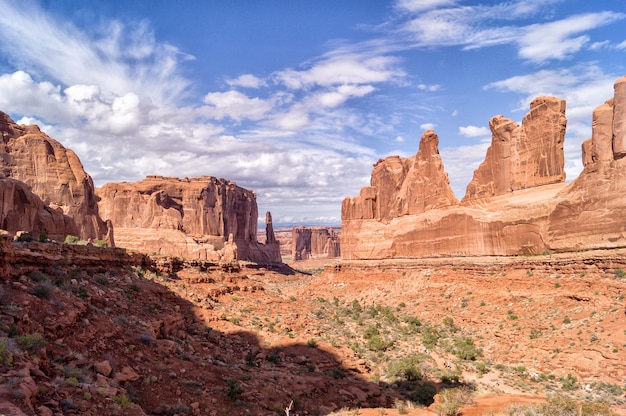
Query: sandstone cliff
point(314, 242)
point(22, 210)
point(525, 156)
point(516, 203)
point(55, 175)
point(402, 186)
point(190, 218)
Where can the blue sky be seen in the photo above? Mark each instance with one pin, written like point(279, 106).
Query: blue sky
point(297, 99)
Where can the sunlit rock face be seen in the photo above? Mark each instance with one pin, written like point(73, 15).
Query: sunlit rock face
point(190, 217)
point(314, 242)
point(55, 175)
point(525, 156)
point(517, 201)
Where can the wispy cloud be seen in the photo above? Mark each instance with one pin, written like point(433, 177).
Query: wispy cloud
point(474, 131)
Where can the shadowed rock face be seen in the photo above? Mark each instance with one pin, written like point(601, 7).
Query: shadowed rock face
point(188, 218)
point(54, 174)
point(517, 202)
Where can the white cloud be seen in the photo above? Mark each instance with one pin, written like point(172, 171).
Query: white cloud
point(474, 131)
point(621, 45)
point(556, 40)
point(246, 81)
point(427, 126)
point(235, 105)
point(420, 5)
point(120, 59)
point(460, 162)
point(339, 70)
point(399, 139)
point(432, 88)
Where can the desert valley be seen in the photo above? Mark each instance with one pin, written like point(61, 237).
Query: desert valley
point(161, 297)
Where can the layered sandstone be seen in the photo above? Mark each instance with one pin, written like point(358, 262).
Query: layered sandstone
point(54, 174)
point(517, 202)
point(404, 186)
point(22, 210)
point(314, 242)
point(189, 218)
point(525, 156)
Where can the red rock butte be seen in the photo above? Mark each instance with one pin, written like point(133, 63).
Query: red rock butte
point(516, 203)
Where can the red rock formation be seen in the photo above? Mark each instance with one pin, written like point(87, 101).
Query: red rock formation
point(516, 203)
point(22, 210)
point(402, 186)
point(53, 173)
point(592, 212)
point(525, 156)
point(314, 242)
point(189, 218)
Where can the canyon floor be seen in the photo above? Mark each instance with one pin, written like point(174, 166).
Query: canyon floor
point(326, 336)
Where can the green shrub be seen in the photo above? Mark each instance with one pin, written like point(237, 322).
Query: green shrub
point(123, 400)
point(71, 239)
point(43, 237)
point(451, 400)
point(424, 394)
point(38, 276)
point(32, 342)
point(619, 273)
point(312, 343)
point(6, 356)
point(101, 243)
point(234, 389)
point(465, 349)
point(377, 343)
point(430, 337)
point(42, 290)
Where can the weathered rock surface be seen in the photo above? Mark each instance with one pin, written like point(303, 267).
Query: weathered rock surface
point(190, 218)
point(22, 210)
point(525, 156)
point(54, 174)
point(516, 203)
point(315, 242)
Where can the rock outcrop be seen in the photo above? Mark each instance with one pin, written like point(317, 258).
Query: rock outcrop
point(517, 202)
point(22, 210)
point(525, 156)
point(55, 175)
point(189, 218)
point(403, 186)
point(314, 242)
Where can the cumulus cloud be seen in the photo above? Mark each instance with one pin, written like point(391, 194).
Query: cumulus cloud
point(235, 105)
point(427, 126)
point(474, 131)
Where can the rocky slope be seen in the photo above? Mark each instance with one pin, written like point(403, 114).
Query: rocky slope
point(109, 334)
point(516, 202)
point(56, 176)
point(190, 218)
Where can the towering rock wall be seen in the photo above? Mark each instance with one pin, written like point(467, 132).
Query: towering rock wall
point(314, 242)
point(55, 175)
point(517, 202)
point(402, 186)
point(189, 218)
point(592, 210)
point(525, 156)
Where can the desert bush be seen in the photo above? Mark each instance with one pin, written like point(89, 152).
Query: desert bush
point(42, 290)
point(32, 342)
point(312, 343)
point(430, 337)
point(43, 237)
point(561, 406)
point(465, 349)
point(377, 343)
point(407, 367)
point(71, 239)
point(38, 276)
point(451, 400)
point(6, 356)
point(234, 389)
point(424, 394)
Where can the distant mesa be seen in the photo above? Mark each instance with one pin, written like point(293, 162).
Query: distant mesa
point(315, 243)
point(189, 218)
point(516, 203)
